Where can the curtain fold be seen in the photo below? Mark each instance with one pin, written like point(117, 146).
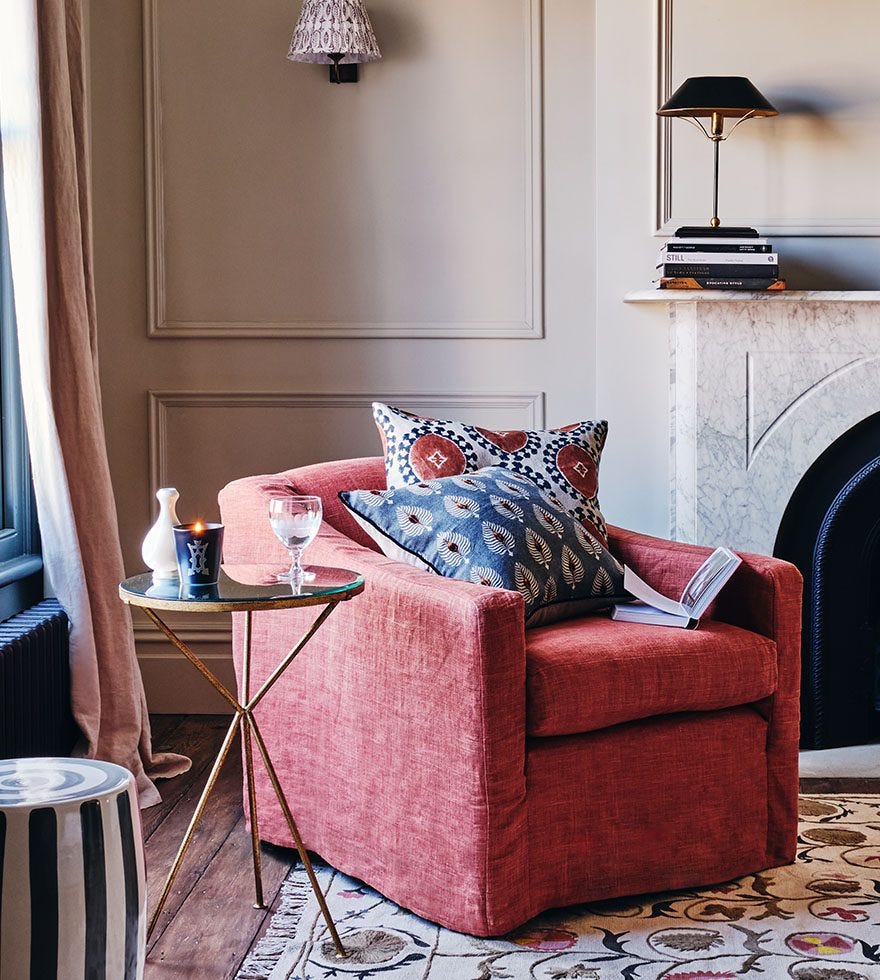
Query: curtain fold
point(47, 193)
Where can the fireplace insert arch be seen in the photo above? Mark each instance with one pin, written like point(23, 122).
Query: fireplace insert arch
point(831, 531)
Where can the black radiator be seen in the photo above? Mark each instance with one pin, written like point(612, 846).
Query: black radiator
point(35, 715)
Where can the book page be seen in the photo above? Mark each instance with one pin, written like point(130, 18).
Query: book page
point(641, 590)
point(708, 581)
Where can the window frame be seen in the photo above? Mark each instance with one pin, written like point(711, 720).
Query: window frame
point(21, 565)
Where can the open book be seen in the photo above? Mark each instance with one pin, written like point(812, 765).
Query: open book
point(656, 610)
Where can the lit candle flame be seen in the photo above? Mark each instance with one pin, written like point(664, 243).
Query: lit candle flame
point(198, 527)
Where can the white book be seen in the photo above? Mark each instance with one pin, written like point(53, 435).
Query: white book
point(654, 609)
point(720, 258)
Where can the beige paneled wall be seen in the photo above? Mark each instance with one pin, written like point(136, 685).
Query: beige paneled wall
point(409, 205)
point(213, 424)
point(456, 232)
point(273, 252)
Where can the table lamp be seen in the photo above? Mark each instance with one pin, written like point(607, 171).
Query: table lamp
point(716, 97)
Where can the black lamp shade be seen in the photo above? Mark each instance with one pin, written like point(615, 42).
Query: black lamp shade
point(728, 95)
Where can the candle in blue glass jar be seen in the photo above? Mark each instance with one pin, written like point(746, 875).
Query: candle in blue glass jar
point(199, 549)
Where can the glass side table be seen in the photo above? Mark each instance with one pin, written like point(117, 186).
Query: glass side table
point(247, 589)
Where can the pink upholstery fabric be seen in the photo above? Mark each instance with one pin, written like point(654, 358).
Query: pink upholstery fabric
point(400, 737)
point(647, 806)
point(327, 480)
point(324, 480)
point(763, 596)
point(381, 733)
point(578, 680)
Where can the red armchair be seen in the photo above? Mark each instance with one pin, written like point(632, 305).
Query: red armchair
point(477, 773)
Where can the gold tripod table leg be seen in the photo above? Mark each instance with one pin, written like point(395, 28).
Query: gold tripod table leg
point(304, 857)
point(190, 830)
point(248, 750)
point(259, 902)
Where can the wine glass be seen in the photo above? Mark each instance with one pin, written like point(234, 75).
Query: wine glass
point(295, 521)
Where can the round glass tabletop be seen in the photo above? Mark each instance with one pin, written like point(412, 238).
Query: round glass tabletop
point(243, 587)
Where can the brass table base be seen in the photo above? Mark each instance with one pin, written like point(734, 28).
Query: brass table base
point(250, 732)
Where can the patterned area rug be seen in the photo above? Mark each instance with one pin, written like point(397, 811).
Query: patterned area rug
point(818, 919)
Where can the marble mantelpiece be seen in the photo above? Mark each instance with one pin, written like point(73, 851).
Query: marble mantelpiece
point(761, 385)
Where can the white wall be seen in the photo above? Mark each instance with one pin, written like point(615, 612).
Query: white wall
point(632, 360)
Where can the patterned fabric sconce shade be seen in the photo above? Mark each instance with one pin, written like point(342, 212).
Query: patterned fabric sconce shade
point(336, 33)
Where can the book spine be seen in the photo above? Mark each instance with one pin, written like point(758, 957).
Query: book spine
point(721, 247)
point(703, 271)
point(721, 282)
point(720, 258)
point(719, 270)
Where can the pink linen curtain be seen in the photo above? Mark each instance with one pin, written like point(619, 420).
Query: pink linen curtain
point(46, 184)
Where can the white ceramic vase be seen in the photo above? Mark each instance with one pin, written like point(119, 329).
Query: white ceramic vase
point(158, 549)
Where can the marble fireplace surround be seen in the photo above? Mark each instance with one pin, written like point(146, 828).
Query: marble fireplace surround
point(761, 385)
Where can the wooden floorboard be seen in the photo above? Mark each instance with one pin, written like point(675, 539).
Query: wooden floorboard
point(849, 784)
point(199, 738)
point(217, 922)
point(161, 729)
point(209, 923)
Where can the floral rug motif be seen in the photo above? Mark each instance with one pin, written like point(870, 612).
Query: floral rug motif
point(818, 919)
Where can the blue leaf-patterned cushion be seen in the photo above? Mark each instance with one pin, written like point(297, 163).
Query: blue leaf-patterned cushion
point(495, 528)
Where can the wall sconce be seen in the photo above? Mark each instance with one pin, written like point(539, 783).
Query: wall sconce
point(716, 97)
point(336, 33)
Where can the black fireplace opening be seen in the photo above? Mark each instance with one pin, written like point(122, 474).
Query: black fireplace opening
point(831, 531)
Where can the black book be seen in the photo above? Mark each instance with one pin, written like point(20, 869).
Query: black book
point(737, 271)
point(701, 245)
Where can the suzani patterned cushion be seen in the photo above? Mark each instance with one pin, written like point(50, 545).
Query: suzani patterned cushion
point(496, 528)
point(564, 462)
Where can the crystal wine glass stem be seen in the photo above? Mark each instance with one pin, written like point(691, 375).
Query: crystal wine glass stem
point(296, 570)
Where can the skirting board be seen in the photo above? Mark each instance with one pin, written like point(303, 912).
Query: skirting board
point(174, 688)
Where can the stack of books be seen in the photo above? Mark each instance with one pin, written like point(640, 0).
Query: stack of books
point(722, 258)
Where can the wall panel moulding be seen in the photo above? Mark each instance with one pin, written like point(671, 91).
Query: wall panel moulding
point(802, 173)
point(394, 244)
point(201, 440)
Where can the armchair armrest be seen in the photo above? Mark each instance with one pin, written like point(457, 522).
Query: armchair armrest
point(422, 680)
point(764, 596)
point(248, 538)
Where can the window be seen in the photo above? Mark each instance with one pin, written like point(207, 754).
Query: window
point(21, 575)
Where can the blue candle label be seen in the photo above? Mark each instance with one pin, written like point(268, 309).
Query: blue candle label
point(198, 557)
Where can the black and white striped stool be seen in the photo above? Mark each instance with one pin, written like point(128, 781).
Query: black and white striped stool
point(73, 896)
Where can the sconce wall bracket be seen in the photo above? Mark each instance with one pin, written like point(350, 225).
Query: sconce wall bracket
point(346, 73)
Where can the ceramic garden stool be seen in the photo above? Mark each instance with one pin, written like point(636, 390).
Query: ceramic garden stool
point(73, 900)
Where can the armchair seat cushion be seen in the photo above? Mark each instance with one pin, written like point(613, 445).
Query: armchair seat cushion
point(588, 674)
